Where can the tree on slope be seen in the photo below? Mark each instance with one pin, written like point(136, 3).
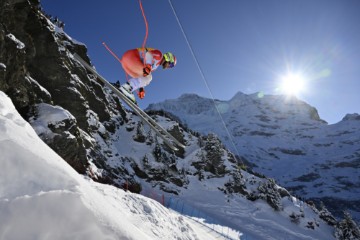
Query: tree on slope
point(326, 215)
point(347, 229)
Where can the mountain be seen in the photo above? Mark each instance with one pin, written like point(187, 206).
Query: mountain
point(42, 197)
point(283, 138)
point(92, 131)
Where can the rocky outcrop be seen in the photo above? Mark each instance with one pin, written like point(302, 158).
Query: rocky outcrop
point(36, 67)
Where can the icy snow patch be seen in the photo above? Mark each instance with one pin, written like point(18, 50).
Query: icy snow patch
point(48, 114)
point(93, 120)
point(19, 44)
point(30, 79)
point(2, 66)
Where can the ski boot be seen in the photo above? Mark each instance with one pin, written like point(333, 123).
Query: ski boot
point(126, 89)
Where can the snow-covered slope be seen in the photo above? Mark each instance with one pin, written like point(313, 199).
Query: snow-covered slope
point(42, 197)
point(220, 191)
point(283, 138)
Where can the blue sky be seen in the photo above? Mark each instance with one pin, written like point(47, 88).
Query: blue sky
point(241, 45)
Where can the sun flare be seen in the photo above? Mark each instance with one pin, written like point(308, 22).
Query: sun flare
point(292, 84)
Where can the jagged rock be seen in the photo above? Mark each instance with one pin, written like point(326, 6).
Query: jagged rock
point(268, 191)
point(327, 216)
point(39, 69)
point(214, 155)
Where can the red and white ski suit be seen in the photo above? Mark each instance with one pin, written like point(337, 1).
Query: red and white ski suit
point(133, 64)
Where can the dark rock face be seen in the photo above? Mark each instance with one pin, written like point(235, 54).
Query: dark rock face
point(36, 68)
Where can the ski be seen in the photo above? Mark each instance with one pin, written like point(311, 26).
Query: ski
point(168, 139)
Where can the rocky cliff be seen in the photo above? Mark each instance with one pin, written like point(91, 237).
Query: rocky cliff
point(37, 69)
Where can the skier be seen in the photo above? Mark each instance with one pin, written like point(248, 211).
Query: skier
point(168, 139)
point(140, 70)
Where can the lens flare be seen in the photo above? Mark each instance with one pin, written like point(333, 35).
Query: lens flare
point(292, 84)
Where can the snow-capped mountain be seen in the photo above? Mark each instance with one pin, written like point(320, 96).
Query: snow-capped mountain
point(285, 139)
point(89, 128)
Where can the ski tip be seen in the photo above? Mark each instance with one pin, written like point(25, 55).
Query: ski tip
point(182, 146)
point(174, 146)
point(178, 144)
point(178, 147)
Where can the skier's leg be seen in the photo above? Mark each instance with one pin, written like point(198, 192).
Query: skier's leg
point(134, 84)
point(139, 82)
point(144, 81)
point(127, 89)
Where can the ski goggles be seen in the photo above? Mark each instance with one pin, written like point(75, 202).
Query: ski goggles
point(169, 58)
point(171, 64)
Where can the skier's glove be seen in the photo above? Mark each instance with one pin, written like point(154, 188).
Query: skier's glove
point(147, 70)
point(141, 93)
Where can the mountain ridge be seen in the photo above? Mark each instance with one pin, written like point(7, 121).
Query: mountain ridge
point(277, 132)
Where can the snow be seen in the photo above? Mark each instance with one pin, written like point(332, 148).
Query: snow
point(256, 220)
point(42, 197)
point(2, 66)
point(19, 44)
point(44, 90)
point(48, 114)
point(203, 200)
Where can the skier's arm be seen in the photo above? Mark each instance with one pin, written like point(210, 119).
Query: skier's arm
point(147, 70)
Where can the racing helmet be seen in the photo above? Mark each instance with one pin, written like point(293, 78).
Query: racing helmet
point(170, 58)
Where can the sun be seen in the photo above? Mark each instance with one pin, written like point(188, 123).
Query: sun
point(292, 84)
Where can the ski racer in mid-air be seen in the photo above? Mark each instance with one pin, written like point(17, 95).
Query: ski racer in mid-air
point(139, 63)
